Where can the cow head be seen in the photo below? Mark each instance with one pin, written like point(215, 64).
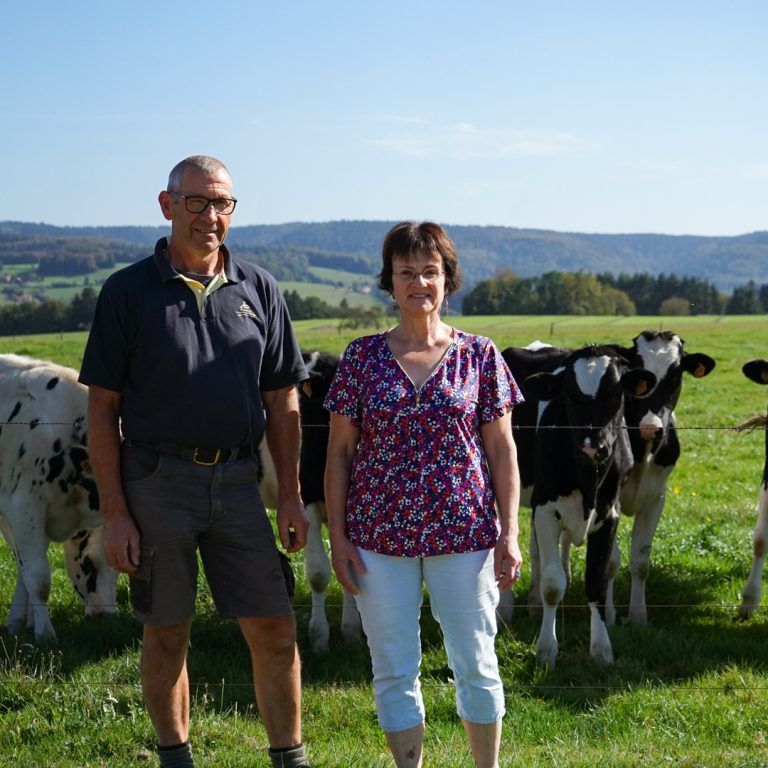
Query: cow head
point(321, 368)
point(593, 382)
point(662, 353)
point(756, 370)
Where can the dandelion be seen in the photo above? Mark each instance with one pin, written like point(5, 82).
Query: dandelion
point(676, 489)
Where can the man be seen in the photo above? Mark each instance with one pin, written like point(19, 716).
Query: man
point(190, 352)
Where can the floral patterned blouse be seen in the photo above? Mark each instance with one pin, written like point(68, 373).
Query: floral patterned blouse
point(420, 484)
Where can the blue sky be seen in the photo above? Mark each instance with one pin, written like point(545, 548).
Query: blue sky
point(570, 115)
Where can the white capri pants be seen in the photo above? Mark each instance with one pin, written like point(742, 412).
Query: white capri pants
point(463, 598)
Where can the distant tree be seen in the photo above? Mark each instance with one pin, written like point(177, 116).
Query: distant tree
point(675, 306)
point(763, 293)
point(79, 313)
point(745, 301)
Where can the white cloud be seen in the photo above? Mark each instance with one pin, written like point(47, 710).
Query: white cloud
point(757, 171)
point(466, 140)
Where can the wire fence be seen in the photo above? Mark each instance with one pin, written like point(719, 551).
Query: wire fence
point(752, 424)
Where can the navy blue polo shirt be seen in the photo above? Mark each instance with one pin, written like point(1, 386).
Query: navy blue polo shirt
point(188, 377)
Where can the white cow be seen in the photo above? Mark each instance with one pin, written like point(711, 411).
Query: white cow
point(757, 371)
point(47, 492)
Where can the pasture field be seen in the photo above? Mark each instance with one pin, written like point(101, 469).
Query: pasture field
point(688, 690)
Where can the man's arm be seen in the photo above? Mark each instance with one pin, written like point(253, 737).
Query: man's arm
point(120, 536)
point(283, 439)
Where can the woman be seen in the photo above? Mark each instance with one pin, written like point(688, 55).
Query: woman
point(420, 448)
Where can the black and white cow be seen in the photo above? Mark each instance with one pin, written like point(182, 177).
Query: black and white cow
point(47, 492)
point(582, 457)
point(757, 371)
point(524, 362)
point(315, 422)
point(655, 450)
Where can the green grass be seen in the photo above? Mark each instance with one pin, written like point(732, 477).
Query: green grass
point(689, 690)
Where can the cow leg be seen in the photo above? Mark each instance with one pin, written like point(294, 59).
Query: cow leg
point(750, 595)
point(600, 545)
point(565, 554)
point(20, 610)
point(318, 572)
point(613, 568)
point(534, 593)
point(506, 607)
point(647, 516)
point(552, 585)
point(91, 576)
point(29, 606)
point(351, 625)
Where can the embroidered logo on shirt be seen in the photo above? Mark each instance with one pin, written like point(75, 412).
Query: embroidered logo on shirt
point(245, 311)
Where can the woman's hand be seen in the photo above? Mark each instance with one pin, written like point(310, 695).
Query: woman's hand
point(507, 561)
point(346, 562)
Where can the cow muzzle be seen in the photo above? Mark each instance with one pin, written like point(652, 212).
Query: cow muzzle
point(649, 425)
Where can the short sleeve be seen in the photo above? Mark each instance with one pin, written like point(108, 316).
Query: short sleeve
point(498, 389)
point(105, 360)
point(282, 365)
point(345, 393)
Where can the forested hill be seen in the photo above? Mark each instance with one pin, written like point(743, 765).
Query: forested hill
point(484, 251)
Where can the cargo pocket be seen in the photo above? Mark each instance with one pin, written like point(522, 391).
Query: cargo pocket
point(141, 582)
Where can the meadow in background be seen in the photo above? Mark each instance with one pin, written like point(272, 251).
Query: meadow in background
point(690, 689)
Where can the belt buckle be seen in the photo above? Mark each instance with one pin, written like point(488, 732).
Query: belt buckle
point(202, 463)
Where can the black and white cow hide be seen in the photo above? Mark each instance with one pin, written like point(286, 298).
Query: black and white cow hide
point(757, 371)
point(47, 492)
point(315, 430)
point(524, 362)
point(655, 451)
point(315, 422)
point(582, 458)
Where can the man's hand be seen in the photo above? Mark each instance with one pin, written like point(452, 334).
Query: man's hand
point(292, 524)
point(120, 536)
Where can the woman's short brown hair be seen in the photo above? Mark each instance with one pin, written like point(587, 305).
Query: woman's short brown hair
point(408, 238)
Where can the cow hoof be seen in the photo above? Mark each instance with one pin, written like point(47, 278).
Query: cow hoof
point(746, 612)
point(602, 654)
point(638, 617)
point(351, 634)
point(546, 655)
point(319, 636)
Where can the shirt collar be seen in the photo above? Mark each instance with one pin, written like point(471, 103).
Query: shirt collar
point(167, 272)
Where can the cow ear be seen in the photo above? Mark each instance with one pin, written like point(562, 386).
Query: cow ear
point(306, 387)
point(543, 386)
point(638, 382)
point(698, 365)
point(756, 370)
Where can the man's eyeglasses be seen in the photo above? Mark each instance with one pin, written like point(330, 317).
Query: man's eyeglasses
point(430, 275)
point(198, 204)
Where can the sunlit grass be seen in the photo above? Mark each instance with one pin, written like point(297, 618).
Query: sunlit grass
point(689, 690)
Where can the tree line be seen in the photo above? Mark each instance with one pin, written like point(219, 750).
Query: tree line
point(50, 316)
point(581, 293)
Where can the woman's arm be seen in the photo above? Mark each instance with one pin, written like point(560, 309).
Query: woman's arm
point(501, 454)
point(342, 445)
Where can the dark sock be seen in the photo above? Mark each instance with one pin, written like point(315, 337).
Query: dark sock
point(177, 756)
point(289, 757)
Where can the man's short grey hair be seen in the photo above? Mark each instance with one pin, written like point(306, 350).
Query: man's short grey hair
point(204, 163)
